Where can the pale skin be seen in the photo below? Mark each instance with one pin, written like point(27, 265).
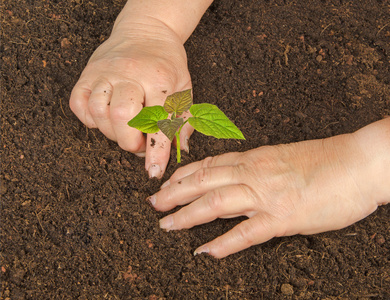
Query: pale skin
point(300, 188)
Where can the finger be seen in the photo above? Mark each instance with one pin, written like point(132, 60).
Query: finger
point(191, 187)
point(225, 201)
point(158, 146)
point(99, 107)
point(230, 158)
point(256, 230)
point(158, 149)
point(78, 103)
point(126, 102)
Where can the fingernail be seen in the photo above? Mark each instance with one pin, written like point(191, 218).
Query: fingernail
point(151, 200)
point(186, 145)
point(201, 249)
point(154, 171)
point(166, 223)
point(141, 154)
point(165, 184)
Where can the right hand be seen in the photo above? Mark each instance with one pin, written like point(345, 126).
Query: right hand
point(139, 65)
point(301, 188)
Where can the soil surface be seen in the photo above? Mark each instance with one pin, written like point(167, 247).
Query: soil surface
point(74, 220)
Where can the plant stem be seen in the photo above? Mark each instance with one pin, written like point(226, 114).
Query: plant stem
point(178, 153)
point(177, 134)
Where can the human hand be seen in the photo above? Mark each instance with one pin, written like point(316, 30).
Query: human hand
point(302, 188)
point(139, 65)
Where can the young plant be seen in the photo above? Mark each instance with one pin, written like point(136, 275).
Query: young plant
point(206, 118)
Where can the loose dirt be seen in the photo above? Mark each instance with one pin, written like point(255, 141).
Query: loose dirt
point(74, 220)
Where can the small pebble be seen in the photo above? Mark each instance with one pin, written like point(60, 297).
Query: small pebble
point(65, 43)
point(3, 188)
point(380, 240)
point(287, 289)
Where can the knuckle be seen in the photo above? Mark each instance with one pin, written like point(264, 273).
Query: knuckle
point(249, 195)
point(245, 234)
point(238, 172)
point(214, 200)
point(175, 175)
point(201, 176)
point(207, 162)
point(122, 112)
point(97, 110)
point(101, 86)
point(264, 160)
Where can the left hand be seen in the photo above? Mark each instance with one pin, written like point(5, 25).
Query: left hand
point(141, 63)
point(301, 188)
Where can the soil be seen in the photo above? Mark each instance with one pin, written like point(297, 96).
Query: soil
point(74, 220)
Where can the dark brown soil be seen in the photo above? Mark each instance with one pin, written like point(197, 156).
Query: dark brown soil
point(74, 221)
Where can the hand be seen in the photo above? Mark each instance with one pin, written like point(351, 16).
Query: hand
point(302, 188)
point(139, 65)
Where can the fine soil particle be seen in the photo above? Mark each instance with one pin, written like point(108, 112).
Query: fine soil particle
point(152, 142)
point(74, 220)
point(287, 289)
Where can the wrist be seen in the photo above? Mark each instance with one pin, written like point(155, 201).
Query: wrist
point(374, 142)
point(144, 28)
point(178, 16)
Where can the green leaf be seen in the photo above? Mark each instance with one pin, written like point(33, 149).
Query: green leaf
point(210, 120)
point(178, 102)
point(169, 127)
point(147, 118)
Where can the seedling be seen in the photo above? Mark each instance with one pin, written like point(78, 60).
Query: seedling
point(206, 118)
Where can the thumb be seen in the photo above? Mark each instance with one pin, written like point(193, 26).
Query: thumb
point(158, 145)
point(158, 148)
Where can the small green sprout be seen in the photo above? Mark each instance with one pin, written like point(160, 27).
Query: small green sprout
point(206, 118)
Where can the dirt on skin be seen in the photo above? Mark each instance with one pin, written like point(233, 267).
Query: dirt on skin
point(74, 220)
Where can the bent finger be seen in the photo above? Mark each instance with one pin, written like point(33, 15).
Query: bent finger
point(225, 201)
point(99, 107)
point(78, 103)
point(126, 102)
